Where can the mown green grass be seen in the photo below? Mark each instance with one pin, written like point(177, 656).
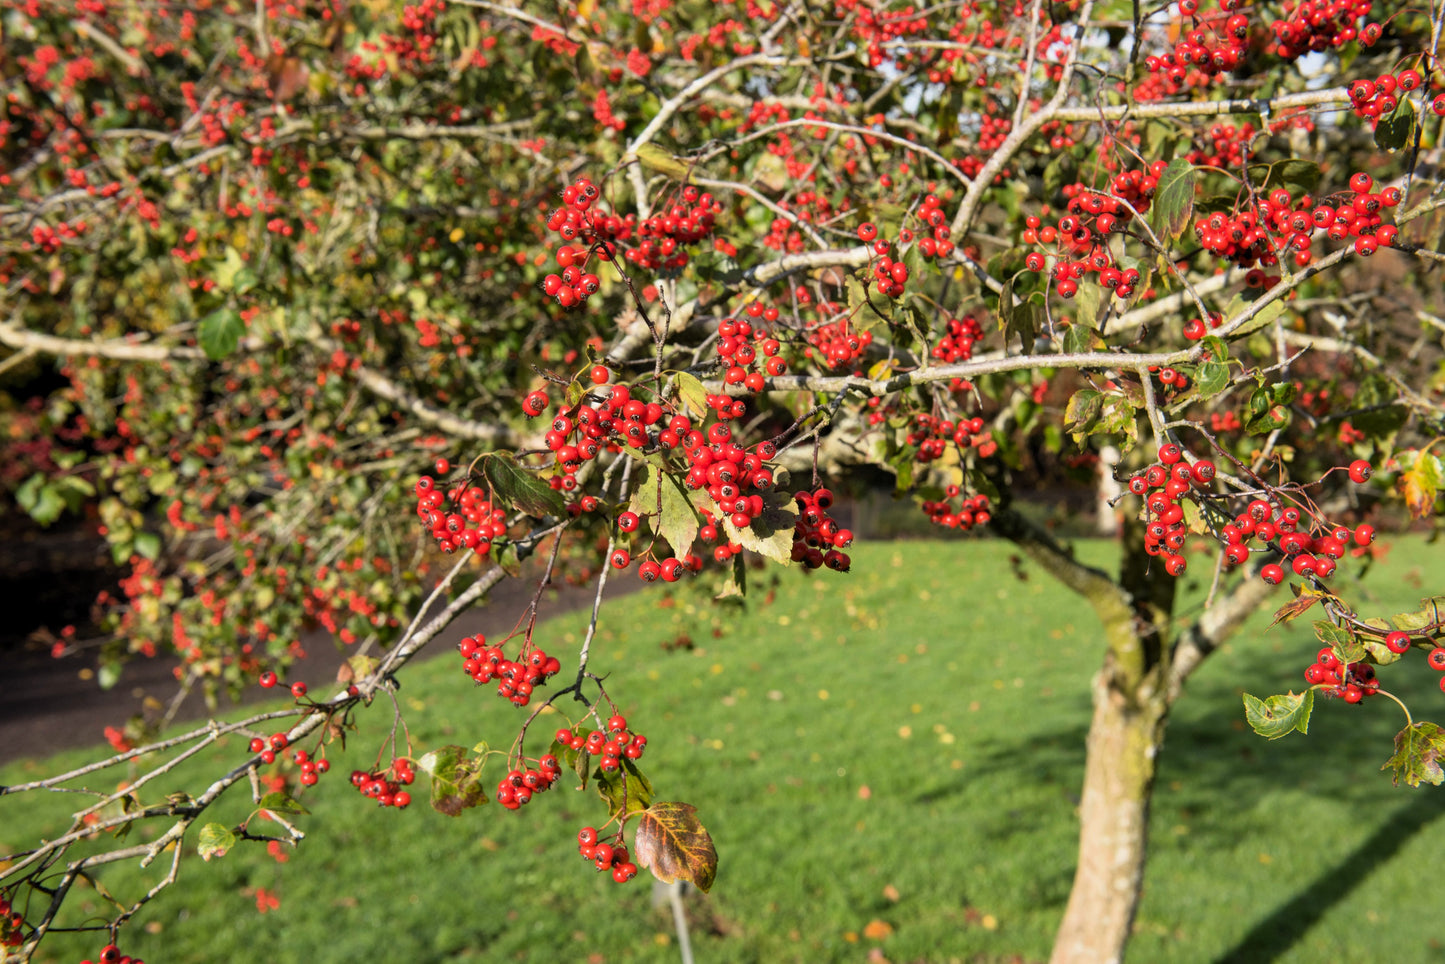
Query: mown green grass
point(902, 744)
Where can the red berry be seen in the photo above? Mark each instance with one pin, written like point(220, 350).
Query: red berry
point(600, 374)
point(1398, 642)
point(867, 231)
point(267, 679)
point(617, 723)
point(298, 689)
point(1272, 574)
point(1436, 658)
point(1364, 534)
point(1360, 471)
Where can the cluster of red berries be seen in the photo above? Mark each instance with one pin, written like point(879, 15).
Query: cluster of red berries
point(606, 856)
point(937, 242)
point(11, 924)
point(1079, 236)
point(932, 434)
point(836, 344)
point(741, 354)
point(110, 954)
point(474, 521)
point(1377, 98)
point(515, 679)
point(736, 478)
point(818, 540)
point(386, 786)
point(269, 747)
point(958, 340)
point(1171, 380)
point(668, 570)
point(662, 236)
point(971, 511)
point(1228, 146)
point(1164, 484)
point(517, 788)
point(1282, 223)
point(610, 747)
point(575, 220)
point(311, 770)
point(1351, 682)
point(1213, 46)
point(1315, 25)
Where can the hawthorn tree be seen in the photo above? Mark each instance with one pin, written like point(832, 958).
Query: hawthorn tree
point(355, 306)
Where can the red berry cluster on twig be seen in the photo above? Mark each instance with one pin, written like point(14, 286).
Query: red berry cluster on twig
point(818, 540)
point(385, 787)
point(517, 679)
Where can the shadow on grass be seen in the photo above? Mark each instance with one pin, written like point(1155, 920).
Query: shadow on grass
point(1278, 932)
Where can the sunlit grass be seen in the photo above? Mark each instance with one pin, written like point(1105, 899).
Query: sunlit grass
point(902, 744)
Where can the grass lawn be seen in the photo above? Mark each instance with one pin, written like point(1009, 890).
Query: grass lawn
point(903, 744)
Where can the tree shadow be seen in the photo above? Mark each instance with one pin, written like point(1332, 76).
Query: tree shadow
point(1278, 932)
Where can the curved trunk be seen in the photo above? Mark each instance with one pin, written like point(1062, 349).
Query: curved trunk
point(1123, 748)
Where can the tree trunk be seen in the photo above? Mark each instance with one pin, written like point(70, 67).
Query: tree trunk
point(1125, 738)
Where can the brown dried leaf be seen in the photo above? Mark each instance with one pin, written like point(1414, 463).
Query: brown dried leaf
point(674, 845)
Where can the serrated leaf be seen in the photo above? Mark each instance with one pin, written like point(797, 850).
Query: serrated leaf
point(626, 789)
point(1394, 132)
point(1420, 484)
point(1081, 338)
point(455, 779)
point(1173, 203)
point(676, 520)
point(219, 333)
point(771, 533)
point(1418, 748)
point(673, 844)
point(1346, 644)
point(215, 841)
point(1215, 347)
point(1211, 378)
point(1279, 716)
point(519, 488)
point(281, 801)
point(693, 394)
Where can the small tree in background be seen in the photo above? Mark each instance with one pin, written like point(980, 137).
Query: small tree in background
point(357, 305)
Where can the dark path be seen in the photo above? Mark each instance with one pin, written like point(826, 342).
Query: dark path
point(51, 704)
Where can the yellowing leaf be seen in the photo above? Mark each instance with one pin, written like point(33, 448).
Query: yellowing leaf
point(674, 845)
point(1420, 484)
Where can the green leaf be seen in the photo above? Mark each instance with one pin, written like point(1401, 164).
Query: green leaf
point(455, 779)
point(1081, 338)
point(1418, 748)
point(148, 544)
point(693, 394)
point(1211, 378)
point(771, 533)
point(1279, 715)
point(1265, 316)
point(1090, 304)
point(1394, 132)
point(673, 844)
point(1215, 347)
point(1082, 413)
point(1346, 645)
point(656, 159)
point(518, 487)
point(215, 840)
point(281, 801)
point(625, 789)
point(735, 583)
point(1173, 202)
point(107, 674)
point(1427, 618)
point(219, 333)
point(40, 500)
